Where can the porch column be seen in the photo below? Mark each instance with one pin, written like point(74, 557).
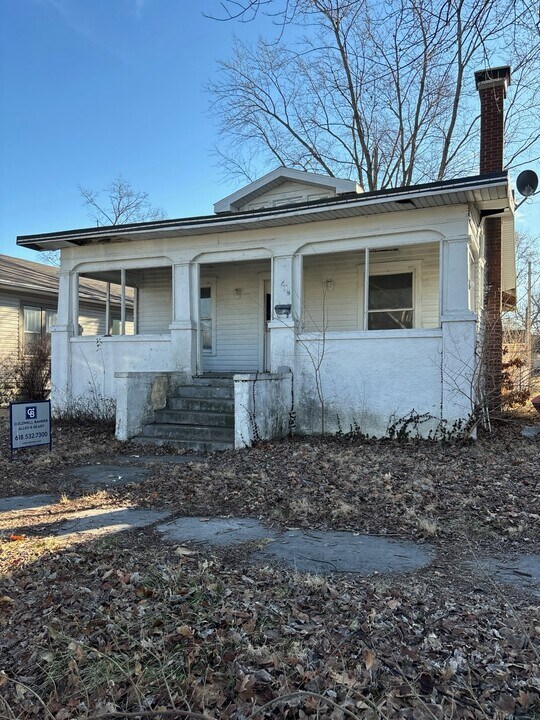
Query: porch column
point(183, 327)
point(286, 310)
point(459, 362)
point(61, 334)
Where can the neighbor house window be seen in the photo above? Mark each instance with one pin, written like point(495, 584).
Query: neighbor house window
point(207, 318)
point(50, 320)
point(37, 323)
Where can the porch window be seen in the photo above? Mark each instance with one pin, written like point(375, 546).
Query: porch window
point(391, 301)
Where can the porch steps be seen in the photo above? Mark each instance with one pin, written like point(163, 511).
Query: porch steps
point(199, 417)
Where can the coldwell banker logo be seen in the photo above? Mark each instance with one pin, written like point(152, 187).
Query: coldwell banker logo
point(31, 412)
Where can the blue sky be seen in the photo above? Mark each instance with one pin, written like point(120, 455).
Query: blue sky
point(93, 88)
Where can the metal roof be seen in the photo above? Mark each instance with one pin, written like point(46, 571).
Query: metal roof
point(487, 191)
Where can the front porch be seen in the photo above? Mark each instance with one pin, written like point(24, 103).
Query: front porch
point(366, 329)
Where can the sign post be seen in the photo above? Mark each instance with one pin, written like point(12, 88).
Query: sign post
point(29, 424)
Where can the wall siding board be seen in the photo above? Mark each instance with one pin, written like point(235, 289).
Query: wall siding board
point(339, 308)
point(155, 301)
point(289, 192)
point(9, 325)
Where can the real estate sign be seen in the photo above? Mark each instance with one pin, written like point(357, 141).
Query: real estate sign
point(30, 424)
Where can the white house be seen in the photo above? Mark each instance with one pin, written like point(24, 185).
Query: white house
point(302, 300)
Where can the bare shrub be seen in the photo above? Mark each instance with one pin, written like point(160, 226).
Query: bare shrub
point(27, 375)
point(89, 409)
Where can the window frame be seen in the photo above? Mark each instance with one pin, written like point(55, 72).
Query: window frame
point(44, 324)
point(391, 267)
point(212, 284)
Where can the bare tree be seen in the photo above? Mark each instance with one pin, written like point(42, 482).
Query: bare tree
point(379, 92)
point(119, 203)
point(527, 251)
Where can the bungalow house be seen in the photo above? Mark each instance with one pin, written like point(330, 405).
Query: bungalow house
point(301, 301)
point(28, 307)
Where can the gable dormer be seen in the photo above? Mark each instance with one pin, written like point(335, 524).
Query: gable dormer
point(285, 186)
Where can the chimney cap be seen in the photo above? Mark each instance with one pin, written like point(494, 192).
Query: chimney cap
point(493, 77)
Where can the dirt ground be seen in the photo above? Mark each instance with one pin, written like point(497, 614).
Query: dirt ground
point(130, 623)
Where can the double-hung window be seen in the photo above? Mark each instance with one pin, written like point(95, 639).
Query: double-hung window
point(37, 323)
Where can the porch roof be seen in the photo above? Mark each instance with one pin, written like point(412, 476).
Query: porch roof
point(490, 192)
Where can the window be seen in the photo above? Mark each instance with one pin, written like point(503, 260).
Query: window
point(50, 320)
point(37, 323)
point(391, 301)
point(207, 318)
point(31, 327)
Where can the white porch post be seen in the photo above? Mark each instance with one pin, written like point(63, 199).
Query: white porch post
point(459, 331)
point(287, 307)
point(61, 333)
point(183, 327)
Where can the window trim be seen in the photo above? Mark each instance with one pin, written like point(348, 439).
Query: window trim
point(44, 314)
point(212, 284)
point(392, 267)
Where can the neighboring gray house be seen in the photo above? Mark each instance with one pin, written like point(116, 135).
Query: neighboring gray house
point(29, 300)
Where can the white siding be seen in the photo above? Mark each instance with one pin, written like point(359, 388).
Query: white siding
point(155, 301)
point(342, 301)
point(9, 325)
point(92, 320)
point(289, 192)
point(239, 319)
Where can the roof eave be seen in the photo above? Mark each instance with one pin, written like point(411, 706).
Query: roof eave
point(222, 223)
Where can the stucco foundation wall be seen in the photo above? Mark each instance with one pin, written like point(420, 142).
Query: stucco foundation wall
point(138, 395)
point(262, 406)
point(96, 360)
point(367, 383)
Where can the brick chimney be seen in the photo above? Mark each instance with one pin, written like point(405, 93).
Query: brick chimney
point(492, 84)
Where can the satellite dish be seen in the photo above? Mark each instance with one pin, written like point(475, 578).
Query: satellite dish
point(527, 183)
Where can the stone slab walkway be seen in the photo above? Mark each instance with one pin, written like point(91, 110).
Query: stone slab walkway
point(26, 502)
point(214, 531)
point(522, 572)
point(325, 552)
point(110, 475)
point(316, 552)
point(98, 522)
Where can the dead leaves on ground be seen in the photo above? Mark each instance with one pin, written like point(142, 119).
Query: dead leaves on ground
point(119, 629)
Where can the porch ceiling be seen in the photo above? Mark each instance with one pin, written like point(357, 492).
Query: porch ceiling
point(491, 192)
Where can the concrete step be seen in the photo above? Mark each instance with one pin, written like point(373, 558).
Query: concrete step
point(191, 417)
point(199, 445)
point(201, 404)
point(189, 432)
point(205, 391)
point(213, 382)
